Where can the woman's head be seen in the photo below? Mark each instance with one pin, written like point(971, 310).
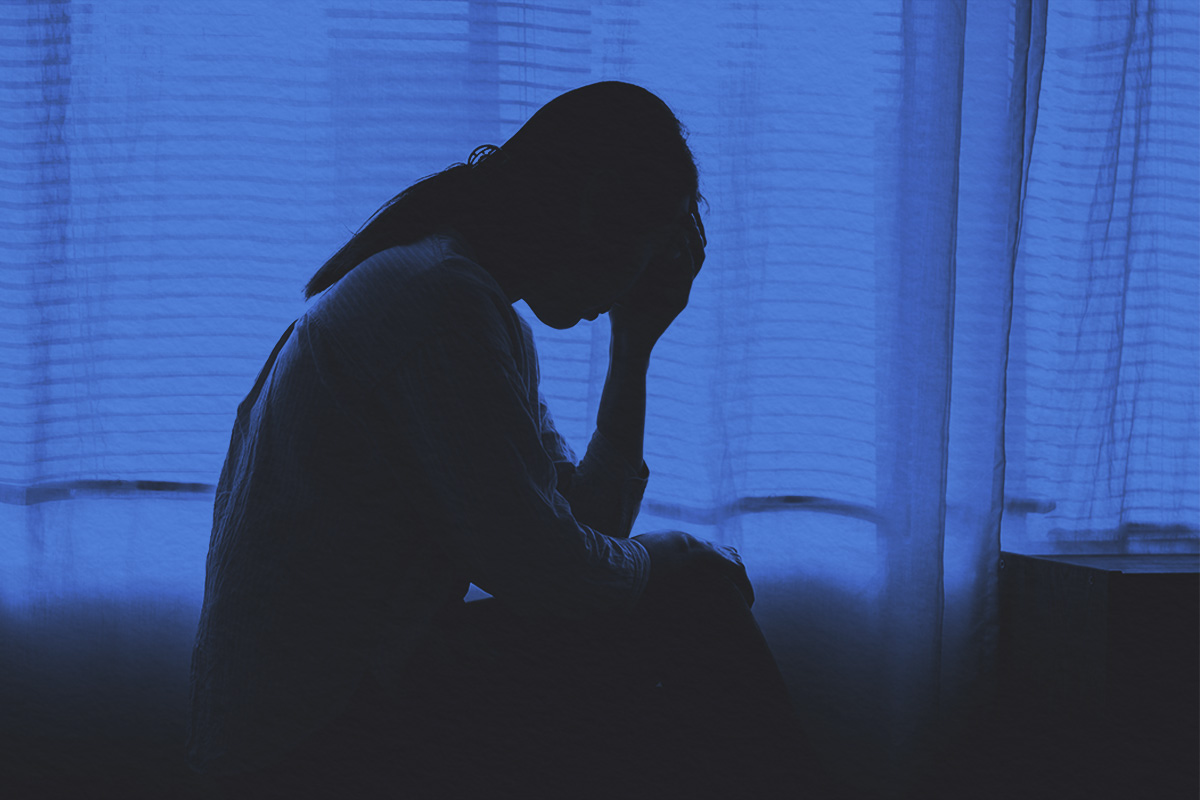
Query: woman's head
point(613, 144)
point(569, 205)
point(562, 206)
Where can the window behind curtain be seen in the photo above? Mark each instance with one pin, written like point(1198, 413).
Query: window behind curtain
point(1103, 425)
point(175, 175)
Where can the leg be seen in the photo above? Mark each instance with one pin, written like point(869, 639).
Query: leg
point(577, 693)
point(493, 707)
point(501, 705)
point(355, 755)
point(731, 717)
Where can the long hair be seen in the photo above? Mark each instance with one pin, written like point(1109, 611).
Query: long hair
point(615, 143)
point(408, 217)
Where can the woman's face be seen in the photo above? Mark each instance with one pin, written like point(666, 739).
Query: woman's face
point(598, 275)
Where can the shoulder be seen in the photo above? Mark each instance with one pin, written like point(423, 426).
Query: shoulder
point(401, 296)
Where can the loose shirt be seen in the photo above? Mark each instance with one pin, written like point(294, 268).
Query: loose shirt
point(394, 449)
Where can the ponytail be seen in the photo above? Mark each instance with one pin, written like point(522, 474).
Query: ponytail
point(408, 217)
point(613, 146)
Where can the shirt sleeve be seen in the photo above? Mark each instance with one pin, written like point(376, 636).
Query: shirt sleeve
point(604, 490)
point(469, 446)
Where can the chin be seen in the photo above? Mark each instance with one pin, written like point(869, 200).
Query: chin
point(559, 322)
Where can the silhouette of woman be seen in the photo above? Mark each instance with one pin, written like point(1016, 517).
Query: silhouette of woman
point(395, 448)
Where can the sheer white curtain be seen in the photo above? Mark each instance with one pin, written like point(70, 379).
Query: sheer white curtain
point(1103, 442)
point(951, 280)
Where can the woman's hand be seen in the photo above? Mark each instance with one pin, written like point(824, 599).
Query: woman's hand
point(661, 293)
point(674, 553)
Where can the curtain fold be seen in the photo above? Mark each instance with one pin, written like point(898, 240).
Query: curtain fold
point(1103, 440)
point(917, 131)
point(950, 293)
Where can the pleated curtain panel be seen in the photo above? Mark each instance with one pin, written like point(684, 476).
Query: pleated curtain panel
point(951, 297)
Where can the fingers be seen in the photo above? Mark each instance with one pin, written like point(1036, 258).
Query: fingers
point(679, 559)
point(730, 552)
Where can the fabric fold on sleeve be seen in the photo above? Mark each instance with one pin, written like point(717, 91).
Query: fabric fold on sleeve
point(605, 491)
point(468, 438)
